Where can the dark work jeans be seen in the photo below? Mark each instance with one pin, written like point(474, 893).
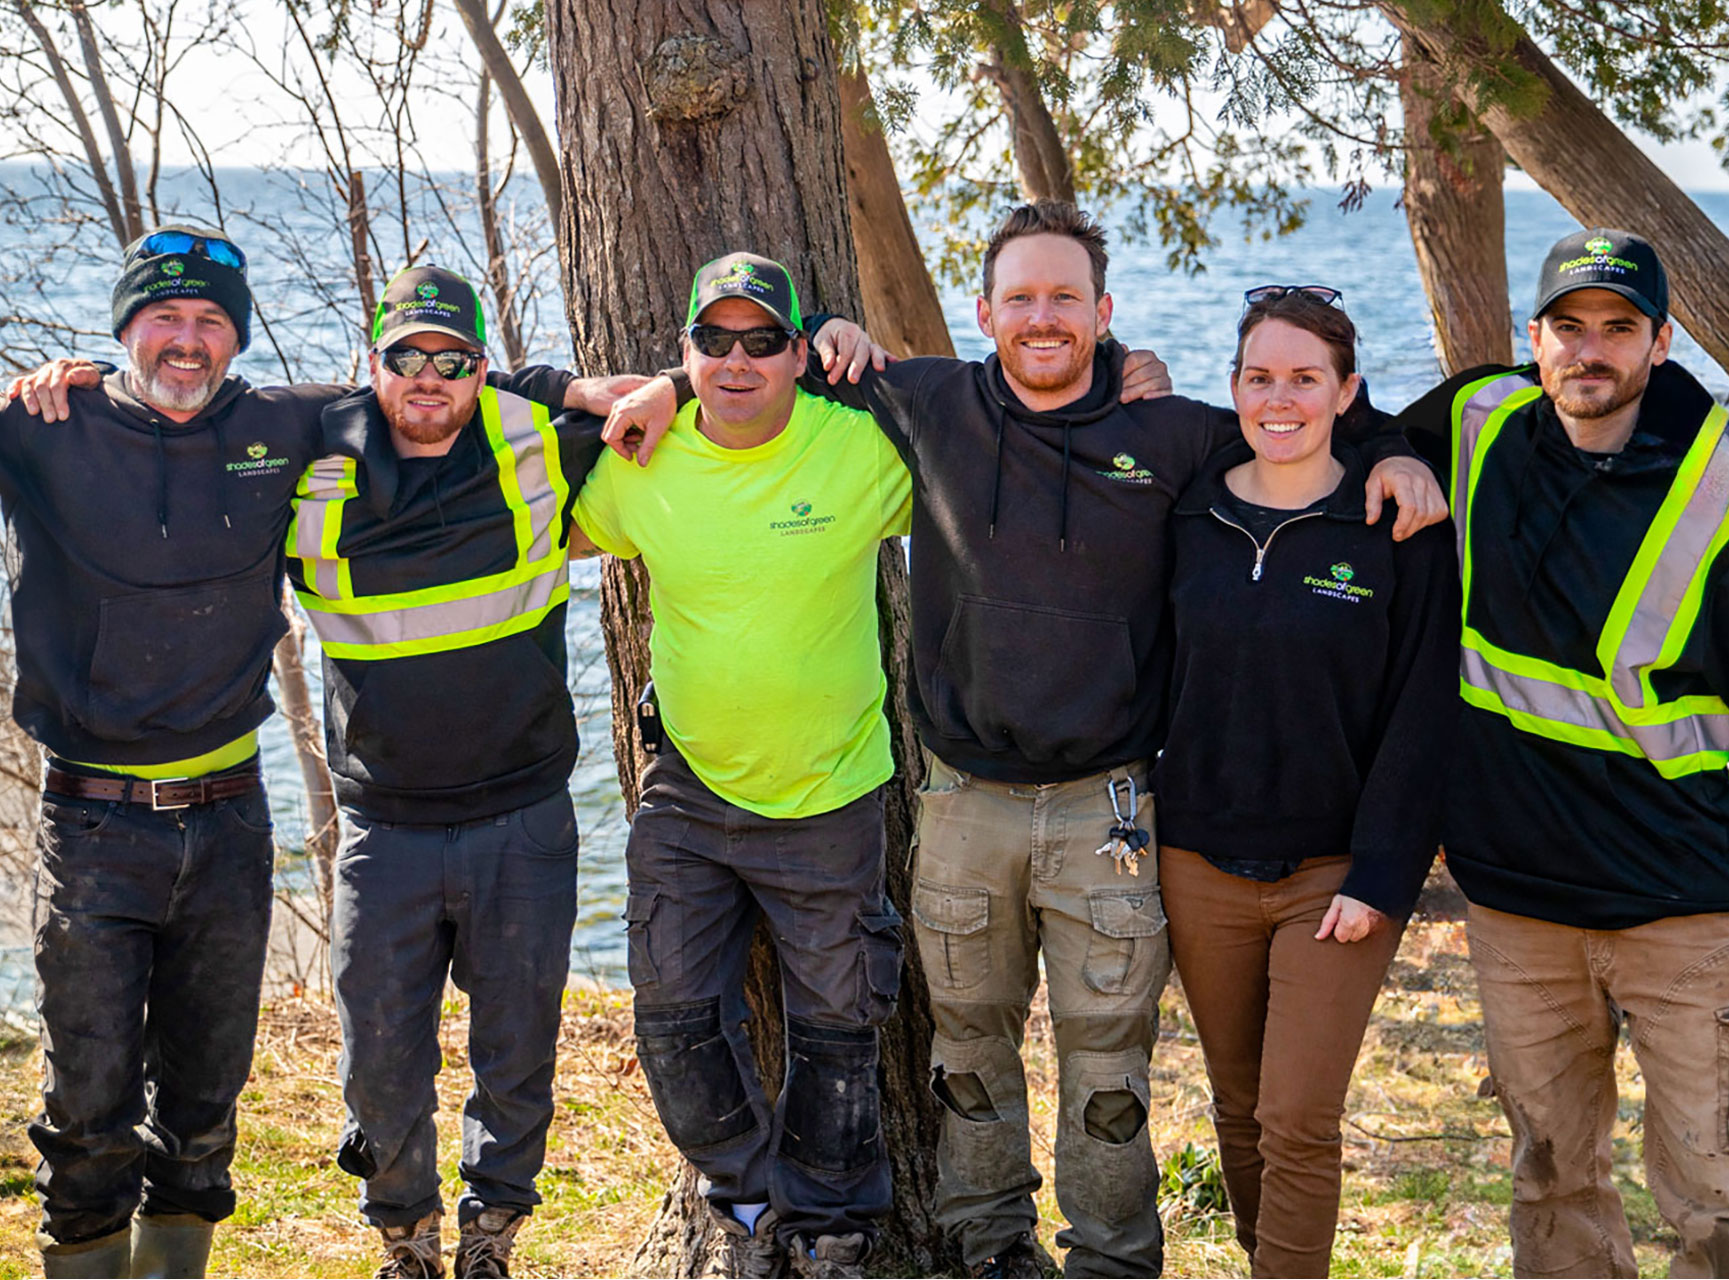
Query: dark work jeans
point(491, 904)
point(702, 872)
point(151, 930)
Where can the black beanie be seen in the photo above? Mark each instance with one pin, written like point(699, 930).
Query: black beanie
point(152, 277)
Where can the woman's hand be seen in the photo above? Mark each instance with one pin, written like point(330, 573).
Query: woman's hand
point(1349, 920)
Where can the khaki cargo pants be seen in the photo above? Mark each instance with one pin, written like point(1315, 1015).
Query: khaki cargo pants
point(1003, 871)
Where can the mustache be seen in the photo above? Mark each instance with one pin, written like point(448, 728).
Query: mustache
point(192, 355)
point(1590, 369)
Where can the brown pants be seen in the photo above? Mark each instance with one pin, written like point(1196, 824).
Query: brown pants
point(1554, 999)
point(1281, 1017)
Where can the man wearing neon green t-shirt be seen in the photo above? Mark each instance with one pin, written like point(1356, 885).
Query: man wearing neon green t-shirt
point(759, 525)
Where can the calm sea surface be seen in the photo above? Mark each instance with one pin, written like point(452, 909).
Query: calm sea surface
point(1189, 320)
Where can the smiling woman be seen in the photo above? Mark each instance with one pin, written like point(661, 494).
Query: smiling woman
point(1311, 692)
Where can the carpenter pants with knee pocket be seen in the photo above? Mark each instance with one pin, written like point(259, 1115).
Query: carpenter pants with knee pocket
point(703, 871)
point(1005, 870)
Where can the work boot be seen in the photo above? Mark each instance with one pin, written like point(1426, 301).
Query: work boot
point(484, 1249)
point(105, 1257)
point(752, 1253)
point(1018, 1261)
point(411, 1253)
point(831, 1257)
point(170, 1244)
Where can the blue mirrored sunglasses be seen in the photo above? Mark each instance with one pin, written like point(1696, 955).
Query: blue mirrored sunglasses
point(216, 250)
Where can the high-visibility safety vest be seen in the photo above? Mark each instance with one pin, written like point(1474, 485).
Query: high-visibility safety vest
point(1613, 707)
point(451, 615)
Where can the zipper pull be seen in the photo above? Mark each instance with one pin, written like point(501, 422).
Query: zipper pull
point(1260, 554)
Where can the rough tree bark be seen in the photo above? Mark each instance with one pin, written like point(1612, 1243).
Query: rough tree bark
point(1578, 155)
point(323, 831)
point(118, 143)
point(722, 132)
point(1453, 202)
point(901, 307)
point(1041, 159)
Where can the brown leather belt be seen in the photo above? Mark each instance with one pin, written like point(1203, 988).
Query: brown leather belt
point(163, 793)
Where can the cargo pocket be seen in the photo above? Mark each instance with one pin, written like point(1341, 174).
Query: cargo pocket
point(638, 911)
point(1124, 921)
point(953, 941)
point(879, 964)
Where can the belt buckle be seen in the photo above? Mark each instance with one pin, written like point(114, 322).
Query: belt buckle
point(156, 796)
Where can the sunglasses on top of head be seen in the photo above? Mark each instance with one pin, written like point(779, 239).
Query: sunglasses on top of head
point(1324, 294)
point(715, 342)
point(407, 362)
point(222, 252)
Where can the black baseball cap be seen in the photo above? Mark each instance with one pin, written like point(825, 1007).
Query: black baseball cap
point(744, 275)
point(429, 300)
point(1604, 258)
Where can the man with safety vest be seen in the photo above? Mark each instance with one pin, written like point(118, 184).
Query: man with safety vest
point(1589, 813)
point(429, 547)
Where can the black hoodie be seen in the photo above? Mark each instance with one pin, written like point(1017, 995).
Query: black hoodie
point(1540, 828)
point(145, 558)
point(1314, 689)
point(471, 731)
point(1040, 560)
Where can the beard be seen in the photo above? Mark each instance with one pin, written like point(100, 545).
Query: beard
point(153, 389)
point(1047, 378)
point(419, 430)
point(1600, 402)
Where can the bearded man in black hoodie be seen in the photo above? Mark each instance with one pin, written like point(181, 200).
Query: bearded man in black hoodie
point(1041, 659)
point(1588, 808)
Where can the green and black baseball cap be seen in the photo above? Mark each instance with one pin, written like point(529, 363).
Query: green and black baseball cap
point(429, 300)
point(744, 275)
point(1604, 258)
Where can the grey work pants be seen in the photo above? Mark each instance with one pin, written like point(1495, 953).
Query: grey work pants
point(1005, 870)
point(702, 872)
point(491, 904)
point(150, 936)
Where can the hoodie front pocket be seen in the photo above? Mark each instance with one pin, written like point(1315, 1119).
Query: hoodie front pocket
point(175, 661)
point(1044, 683)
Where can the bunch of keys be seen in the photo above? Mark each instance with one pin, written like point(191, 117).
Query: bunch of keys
point(1126, 842)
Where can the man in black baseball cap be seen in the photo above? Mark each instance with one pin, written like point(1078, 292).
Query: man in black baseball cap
point(744, 275)
point(1587, 807)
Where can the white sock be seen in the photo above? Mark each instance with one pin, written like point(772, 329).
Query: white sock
point(749, 1213)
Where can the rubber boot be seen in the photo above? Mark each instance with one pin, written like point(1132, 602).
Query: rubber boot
point(108, 1256)
point(170, 1245)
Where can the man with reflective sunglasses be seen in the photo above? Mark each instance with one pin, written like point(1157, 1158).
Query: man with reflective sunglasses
point(429, 549)
point(1040, 664)
point(148, 511)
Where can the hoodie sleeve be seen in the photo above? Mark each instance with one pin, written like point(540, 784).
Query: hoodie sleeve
point(1398, 814)
point(1427, 422)
point(538, 382)
point(579, 448)
point(891, 396)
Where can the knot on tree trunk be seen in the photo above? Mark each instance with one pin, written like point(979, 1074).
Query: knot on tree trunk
point(694, 78)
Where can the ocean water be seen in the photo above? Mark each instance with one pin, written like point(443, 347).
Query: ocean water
point(1188, 319)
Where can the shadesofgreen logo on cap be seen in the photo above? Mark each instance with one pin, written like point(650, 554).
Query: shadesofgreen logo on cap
point(1599, 245)
point(429, 291)
point(173, 267)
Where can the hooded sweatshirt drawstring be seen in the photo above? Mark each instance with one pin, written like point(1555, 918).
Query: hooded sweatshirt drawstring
point(997, 479)
point(1063, 519)
point(221, 489)
point(161, 478)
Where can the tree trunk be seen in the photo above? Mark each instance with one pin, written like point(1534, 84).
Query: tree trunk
point(1041, 158)
point(901, 307)
point(117, 140)
point(722, 131)
point(1458, 222)
point(496, 59)
point(323, 831)
point(497, 263)
point(1578, 155)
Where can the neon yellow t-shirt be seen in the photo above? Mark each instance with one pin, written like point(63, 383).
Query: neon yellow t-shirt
point(762, 568)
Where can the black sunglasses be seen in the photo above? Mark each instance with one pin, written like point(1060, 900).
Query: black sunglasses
point(223, 252)
point(407, 362)
point(1321, 293)
point(715, 342)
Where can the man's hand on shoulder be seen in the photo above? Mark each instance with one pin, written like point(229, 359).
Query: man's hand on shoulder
point(638, 419)
point(1145, 377)
point(598, 395)
point(43, 391)
point(1408, 482)
point(845, 349)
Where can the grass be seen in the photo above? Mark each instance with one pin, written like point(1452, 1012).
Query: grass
point(1426, 1179)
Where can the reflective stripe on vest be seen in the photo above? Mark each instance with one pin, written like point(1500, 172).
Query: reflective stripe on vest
point(1614, 708)
point(452, 615)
